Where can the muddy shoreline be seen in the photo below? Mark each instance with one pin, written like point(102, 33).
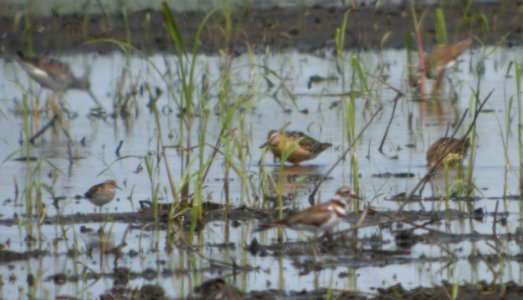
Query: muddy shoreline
point(303, 28)
point(378, 236)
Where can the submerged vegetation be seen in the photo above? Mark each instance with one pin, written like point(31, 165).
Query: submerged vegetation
point(180, 134)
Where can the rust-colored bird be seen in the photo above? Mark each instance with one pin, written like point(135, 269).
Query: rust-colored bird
point(441, 58)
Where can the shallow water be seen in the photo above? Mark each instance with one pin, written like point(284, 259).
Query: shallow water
point(269, 107)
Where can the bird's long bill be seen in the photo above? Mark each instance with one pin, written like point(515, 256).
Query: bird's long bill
point(264, 145)
point(91, 94)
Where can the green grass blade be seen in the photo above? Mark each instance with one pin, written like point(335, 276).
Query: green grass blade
point(441, 27)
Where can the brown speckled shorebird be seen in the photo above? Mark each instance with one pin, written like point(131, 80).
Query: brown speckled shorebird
point(102, 193)
point(53, 74)
point(441, 58)
point(302, 146)
point(455, 149)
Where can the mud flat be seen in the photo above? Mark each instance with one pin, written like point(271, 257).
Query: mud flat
point(303, 28)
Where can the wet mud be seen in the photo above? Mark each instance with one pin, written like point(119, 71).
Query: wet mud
point(408, 228)
point(343, 247)
point(304, 28)
point(307, 29)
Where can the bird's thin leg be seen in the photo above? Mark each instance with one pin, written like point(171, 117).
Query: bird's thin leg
point(59, 112)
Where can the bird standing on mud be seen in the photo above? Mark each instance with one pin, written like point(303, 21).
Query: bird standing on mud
point(54, 75)
point(102, 193)
point(319, 218)
point(295, 145)
point(453, 149)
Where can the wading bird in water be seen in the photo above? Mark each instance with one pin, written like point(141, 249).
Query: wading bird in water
point(102, 193)
point(439, 60)
point(297, 145)
point(54, 75)
point(443, 57)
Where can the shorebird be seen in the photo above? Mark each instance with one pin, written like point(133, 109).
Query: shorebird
point(296, 144)
point(53, 74)
point(319, 218)
point(443, 57)
point(102, 193)
point(453, 149)
point(346, 193)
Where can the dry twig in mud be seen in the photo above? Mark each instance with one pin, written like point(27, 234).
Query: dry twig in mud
point(431, 171)
point(342, 156)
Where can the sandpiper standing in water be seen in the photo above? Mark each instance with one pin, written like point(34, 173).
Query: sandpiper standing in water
point(443, 57)
point(296, 144)
point(440, 59)
point(102, 193)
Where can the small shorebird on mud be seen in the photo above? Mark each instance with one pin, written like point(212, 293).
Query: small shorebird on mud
point(319, 218)
point(297, 145)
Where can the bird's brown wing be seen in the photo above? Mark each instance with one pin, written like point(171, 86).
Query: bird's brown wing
point(307, 217)
point(446, 146)
point(93, 190)
point(444, 54)
point(307, 142)
point(53, 67)
point(56, 69)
